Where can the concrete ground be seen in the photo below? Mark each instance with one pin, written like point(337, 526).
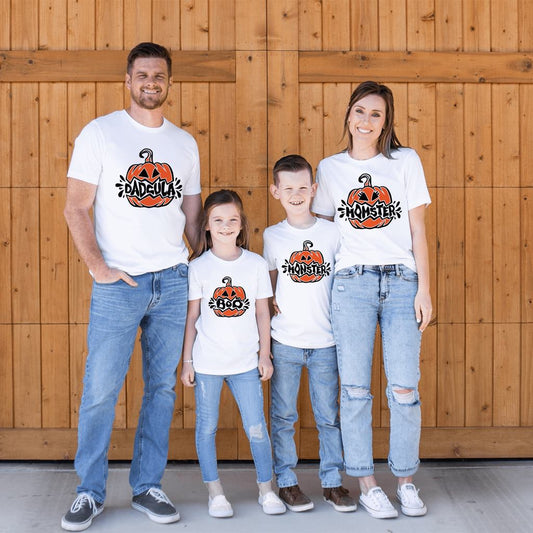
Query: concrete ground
point(480, 497)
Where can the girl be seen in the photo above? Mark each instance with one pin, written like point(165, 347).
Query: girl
point(376, 193)
point(228, 325)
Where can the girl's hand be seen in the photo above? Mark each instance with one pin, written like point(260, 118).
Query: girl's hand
point(187, 375)
point(423, 309)
point(275, 306)
point(265, 368)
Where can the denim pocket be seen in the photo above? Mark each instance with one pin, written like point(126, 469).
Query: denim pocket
point(183, 269)
point(408, 274)
point(348, 272)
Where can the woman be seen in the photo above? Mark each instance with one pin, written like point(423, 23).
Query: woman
point(376, 193)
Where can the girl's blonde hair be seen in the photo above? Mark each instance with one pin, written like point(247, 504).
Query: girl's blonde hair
point(224, 196)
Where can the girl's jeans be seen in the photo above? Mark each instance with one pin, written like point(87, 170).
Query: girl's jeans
point(363, 296)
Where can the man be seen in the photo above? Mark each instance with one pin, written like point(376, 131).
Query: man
point(140, 174)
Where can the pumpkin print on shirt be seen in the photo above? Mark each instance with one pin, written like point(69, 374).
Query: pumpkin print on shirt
point(306, 265)
point(370, 206)
point(149, 184)
point(229, 301)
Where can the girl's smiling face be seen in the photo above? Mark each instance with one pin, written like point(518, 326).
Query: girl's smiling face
point(367, 119)
point(224, 223)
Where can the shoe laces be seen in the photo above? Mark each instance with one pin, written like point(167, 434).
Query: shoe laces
point(379, 498)
point(81, 500)
point(409, 495)
point(158, 495)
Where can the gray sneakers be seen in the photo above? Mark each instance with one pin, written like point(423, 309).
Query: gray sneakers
point(81, 513)
point(155, 503)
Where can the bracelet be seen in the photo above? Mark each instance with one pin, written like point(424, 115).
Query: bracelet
point(187, 360)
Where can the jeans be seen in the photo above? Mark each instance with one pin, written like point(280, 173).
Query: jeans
point(363, 296)
point(248, 393)
point(321, 366)
point(158, 305)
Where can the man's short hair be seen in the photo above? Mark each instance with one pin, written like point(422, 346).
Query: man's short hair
point(149, 50)
point(291, 163)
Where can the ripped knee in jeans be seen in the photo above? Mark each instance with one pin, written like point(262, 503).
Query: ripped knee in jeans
point(404, 395)
point(354, 392)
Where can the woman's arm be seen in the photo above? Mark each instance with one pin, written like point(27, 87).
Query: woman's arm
point(417, 225)
point(262, 315)
point(187, 369)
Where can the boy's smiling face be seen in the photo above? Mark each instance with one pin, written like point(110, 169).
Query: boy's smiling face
point(295, 191)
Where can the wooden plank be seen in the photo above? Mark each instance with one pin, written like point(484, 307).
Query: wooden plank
point(55, 376)
point(526, 259)
point(255, 207)
point(138, 22)
point(450, 302)
point(222, 25)
point(335, 25)
point(526, 134)
point(25, 255)
point(109, 98)
point(336, 99)
point(24, 25)
point(27, 375)
point(6, 376)
point(53, 257)
point(364, 25)
point(506, 378)
point(195, 120)
point(222, 135)
point(251, 117)
point(478, 375)
point(526, 376)
point(421, 127)
point(476, 26)
point(194, 25)
point(401, 115)
point(52, 24)
point(109, 24)
point(451, 375)
point(6, 245)
point(109, 65)
point(311, 123)
point(282, 24)
point(506, 255)
point(420, 20)
point(81, 24)
point(25, 135)
point(444, 67)
point(504, 24)
point(251, 24)
point(5, 133)
point(166, 24)
point(5, 24)
point(478, 135)
point(448, 26)
point(525, 25)
point(392, 30)
point(310, 25)
point(478, 255)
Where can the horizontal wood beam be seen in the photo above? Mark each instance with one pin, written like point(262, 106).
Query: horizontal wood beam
point(423, 67)
point(108, 65)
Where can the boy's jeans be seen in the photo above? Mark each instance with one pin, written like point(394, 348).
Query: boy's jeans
point(364, 295)
point(321, 366)
point(159, 305)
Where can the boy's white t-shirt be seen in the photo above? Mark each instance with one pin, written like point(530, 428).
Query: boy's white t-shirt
point(227, 340)
point(304, 260)
point(138, 218)
point(370, 201)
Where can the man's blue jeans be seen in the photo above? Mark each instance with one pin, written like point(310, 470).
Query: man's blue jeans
point(158, 305)
point(321, 366)
point(248, 393)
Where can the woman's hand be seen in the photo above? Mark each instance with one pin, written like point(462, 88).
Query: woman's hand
point(265, 367)
point(423, 309)
point(187, 375)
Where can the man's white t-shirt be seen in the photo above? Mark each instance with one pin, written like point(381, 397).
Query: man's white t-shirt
point(370, 201)
point(141, 175)
point(227, 340)
point(304, 260)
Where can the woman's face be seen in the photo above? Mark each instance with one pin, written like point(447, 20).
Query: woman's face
point(367, 119)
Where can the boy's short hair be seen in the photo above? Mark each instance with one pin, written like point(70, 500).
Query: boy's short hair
point(148, 49)
point(291, 163)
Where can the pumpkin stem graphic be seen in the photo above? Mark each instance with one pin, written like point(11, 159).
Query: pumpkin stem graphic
point(227, 281)
point(307, 245)
point(149, 157)
point(366, 178)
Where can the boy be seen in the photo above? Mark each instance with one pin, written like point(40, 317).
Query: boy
point(300, 252)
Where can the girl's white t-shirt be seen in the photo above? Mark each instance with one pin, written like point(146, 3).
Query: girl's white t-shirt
point(304, 260)
point(138, 218)
point(227, 340)
point(370, 202)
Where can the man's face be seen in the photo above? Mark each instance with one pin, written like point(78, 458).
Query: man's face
point(148, 82)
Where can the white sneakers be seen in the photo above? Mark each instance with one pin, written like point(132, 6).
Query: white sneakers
point(271, 503)
point(219, 507)
point(411, 503)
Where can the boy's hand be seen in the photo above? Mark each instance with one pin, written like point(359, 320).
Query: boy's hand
point(265, 367)
point(187, 375)
point(275, 306)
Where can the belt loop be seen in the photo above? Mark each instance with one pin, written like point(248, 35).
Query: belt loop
point(397, 269)
point(359, 269)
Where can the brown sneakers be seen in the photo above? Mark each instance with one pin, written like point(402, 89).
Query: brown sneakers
point(340, 498)
point(295, 499)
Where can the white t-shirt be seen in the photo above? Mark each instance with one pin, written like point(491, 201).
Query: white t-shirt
point(304, 259)
point(370, 201)
point(142, 175)
point(227, 340)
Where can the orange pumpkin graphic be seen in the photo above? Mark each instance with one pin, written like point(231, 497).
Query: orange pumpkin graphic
point(305, 265)
point(229, 300)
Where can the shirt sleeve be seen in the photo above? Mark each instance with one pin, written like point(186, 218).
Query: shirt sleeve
point(264, 285)
point(88, 154)
point(195, 287)
point(192, 183)
point(416, 188)
point(322, 203)
point(267, 250)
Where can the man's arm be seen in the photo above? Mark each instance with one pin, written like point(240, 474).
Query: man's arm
point(191, 207)
point(80, 199)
